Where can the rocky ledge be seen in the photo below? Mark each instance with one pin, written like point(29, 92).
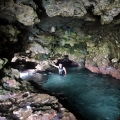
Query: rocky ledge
point(20, 100)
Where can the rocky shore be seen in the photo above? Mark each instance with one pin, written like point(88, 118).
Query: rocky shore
point(25, 100)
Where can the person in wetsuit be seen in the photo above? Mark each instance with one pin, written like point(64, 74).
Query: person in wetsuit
point(61, 69)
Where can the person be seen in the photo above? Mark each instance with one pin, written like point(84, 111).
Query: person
point(61, 69)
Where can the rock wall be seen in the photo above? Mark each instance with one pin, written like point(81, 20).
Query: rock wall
point(87, 31)
point(106, 9)
point(104, 58)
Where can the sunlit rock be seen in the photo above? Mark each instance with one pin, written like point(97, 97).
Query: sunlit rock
point(37, 48)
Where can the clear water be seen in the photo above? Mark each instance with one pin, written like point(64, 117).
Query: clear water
point(96, 97)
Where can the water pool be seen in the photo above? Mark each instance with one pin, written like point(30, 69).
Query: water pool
point(95, 96)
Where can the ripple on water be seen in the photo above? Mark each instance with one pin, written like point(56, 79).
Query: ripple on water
point(96, 97)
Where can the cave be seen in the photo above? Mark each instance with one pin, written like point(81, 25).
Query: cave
point(79, 34)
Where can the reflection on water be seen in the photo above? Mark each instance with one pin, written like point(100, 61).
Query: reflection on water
point(96, 97)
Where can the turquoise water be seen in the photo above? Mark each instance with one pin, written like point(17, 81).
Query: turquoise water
point(95, 96)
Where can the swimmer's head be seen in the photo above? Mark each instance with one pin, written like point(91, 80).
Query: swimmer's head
point(60, 65)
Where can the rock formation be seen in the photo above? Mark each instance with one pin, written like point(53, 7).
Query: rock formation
point(87, 31)
point(107, 10)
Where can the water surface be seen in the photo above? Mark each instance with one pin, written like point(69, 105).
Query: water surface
point(95, 96)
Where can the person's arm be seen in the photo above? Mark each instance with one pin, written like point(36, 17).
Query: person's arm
point(54, 65)
point(64, 70)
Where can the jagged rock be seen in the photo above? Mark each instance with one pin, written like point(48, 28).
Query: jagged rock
point(8, 34)
point(23, 13)
point(12, 31)
point(98, 60)
point(37, 48)
point(12, 73)
point(27, 16)
point(65, 8)
point(104, 70)
point(10, 83)
point(27, 106)
point(3, 62)
point(22, 113)
point(107, 10)
point(15, 73)
point(26, 2)
point(9, 39)
point(75, 8)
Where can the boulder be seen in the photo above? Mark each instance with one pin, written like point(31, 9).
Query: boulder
point(27, 16)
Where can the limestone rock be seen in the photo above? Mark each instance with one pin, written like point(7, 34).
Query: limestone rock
point(8, 35)
point(12, 73)
point(10, 83)
point(98, 60)
point(27, 16)
point(22, 113)
point(27, 2)
point(65, 8)
point(23, 13)
point(15, 73)
point(37, 48)
point(75, 8)
point(10, 32)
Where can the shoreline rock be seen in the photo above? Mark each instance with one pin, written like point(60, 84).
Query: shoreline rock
point(104, 70)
